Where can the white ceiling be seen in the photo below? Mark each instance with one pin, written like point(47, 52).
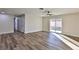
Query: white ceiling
point(59, 11)
point(55, 11)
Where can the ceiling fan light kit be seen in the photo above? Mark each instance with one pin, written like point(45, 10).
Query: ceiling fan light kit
point(46, 12)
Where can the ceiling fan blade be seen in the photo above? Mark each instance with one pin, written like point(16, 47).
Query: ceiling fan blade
point(41, 8)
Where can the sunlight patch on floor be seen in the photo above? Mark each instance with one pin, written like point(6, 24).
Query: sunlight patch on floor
point(66, 41)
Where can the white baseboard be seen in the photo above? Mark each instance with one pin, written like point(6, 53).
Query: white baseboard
point(71, 35)
point(7, 32)
point(32, 31)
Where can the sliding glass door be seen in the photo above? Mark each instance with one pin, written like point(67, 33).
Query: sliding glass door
point(56, 25)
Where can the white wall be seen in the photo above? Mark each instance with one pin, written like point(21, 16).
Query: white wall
point(45, 24)
point(6, 24)
point(33, 21)
point(71, 24)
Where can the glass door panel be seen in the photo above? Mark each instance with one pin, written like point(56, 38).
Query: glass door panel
point(56, 25)
point(52, 25)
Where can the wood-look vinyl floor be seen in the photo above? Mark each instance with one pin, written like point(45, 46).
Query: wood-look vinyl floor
point(31, 41)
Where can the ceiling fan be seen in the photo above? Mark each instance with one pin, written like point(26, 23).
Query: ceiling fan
point(46, 12)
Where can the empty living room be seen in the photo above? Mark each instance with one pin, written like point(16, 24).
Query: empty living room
point(39, 28)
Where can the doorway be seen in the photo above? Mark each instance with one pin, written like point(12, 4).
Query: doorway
point(56, 25)
point(19, 23)
point(15, 24)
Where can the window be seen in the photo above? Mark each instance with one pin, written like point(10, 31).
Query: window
point(56, 25)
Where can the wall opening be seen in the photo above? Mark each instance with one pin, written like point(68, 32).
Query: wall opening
point(19, 23)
